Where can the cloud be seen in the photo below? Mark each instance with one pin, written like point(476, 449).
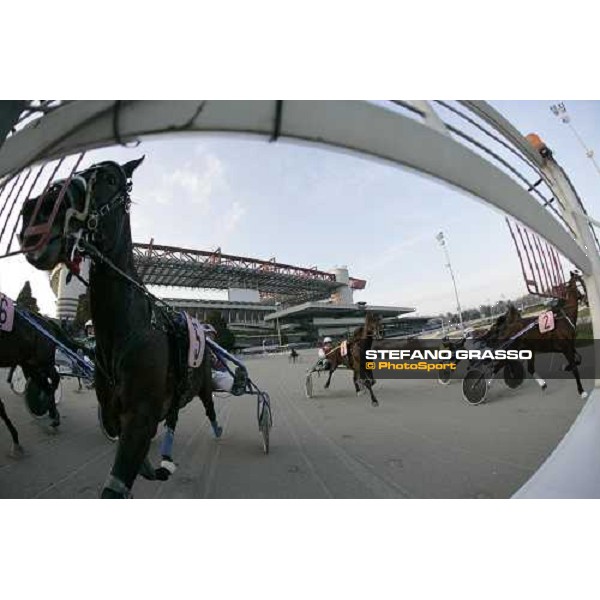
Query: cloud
point(196, 182)
point(199, 179)
point(233, 216)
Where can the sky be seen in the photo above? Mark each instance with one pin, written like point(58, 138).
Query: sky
point(312, 206)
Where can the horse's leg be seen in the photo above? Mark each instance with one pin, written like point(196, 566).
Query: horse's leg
point(355, 378)
point(50, 380)
point(17, 449)
point(167, 464)
point(206, 396)
point(531, 370)
point(47, 380)
point(138, 426)
point(332, 368)
point(364, 376)
point(104, 392)
point(570, 356)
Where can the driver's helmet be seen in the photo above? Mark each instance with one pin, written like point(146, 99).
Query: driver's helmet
point(89, 323)
point(327, 340)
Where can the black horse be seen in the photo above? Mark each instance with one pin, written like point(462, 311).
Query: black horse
point(28, 348)
point(141, 373)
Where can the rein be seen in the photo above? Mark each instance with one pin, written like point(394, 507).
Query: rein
point(85, 367)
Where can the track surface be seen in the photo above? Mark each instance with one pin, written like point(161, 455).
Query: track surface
point(423, 441)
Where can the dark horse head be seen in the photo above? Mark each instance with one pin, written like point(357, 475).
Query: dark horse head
point(575, 281)
point(373, 327)
point(70, 208)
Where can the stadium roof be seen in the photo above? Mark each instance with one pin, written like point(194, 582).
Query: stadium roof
point(180, 267)
point(321, 310)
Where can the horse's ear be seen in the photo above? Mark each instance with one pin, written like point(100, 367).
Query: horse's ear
point(132, 165)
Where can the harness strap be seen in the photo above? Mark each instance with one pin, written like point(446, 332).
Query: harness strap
point(72, 355)
point(334, 349)
point(564, 314)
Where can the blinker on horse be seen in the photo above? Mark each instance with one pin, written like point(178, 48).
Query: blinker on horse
point(141, 373)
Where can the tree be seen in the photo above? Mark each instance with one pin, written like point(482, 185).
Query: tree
point(26, 300)
point(84, 311)
point(485, 310)
point(225, 338)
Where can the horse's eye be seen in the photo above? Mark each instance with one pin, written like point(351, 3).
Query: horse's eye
point(112, 180)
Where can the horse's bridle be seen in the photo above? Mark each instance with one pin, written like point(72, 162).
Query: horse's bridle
point(86, 236)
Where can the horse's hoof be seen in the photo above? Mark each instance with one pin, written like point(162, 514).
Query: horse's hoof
point(16, 451)
point(217, 430)
point(584, 395)
point(374, 403)
point(162, 474)
point(166, 469)
point(544, 387)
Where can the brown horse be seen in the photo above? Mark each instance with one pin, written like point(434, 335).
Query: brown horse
point(561, 339)
point(360, 341)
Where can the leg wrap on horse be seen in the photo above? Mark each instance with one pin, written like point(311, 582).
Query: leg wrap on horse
point(166, 445)
point(217, 429)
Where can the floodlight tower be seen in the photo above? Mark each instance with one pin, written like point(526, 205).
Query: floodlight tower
point(440, 238)
point(560, 111)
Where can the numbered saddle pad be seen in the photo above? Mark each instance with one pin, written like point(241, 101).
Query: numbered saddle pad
point(7, 313)
point(546, 321)
point(196, 341)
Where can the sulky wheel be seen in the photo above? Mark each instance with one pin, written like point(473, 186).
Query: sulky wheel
point(265, 419)
point(308, 384)
point(58, 393)
point(37, 400)
point(475, 386)
point(514, 374)
point(444, 376)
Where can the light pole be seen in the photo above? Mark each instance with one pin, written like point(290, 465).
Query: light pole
point(442, 322)
point(440, 238)
point(560, 111)
point(277, 305)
